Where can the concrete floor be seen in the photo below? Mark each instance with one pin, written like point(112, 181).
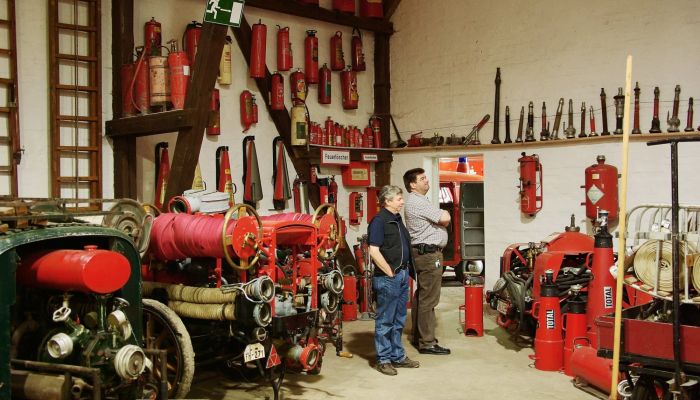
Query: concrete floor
point(489, 367)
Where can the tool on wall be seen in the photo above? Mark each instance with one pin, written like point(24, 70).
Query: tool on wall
point(544, 133)
point(655, 121)
point(507, 139)
point(284, 49)
point(530, 132)
point(214, 123)
point(162, 161)
point(619, 110)
point(277, 92)
point(252, 188)
point(689, 117)
point(530, 185)
point(190, 40)
point(257, 50)
point(300, 192)
point(557, 119)
point(324, 85)
point(356, 208)
point(358, 56)
point(601, 190)
point(152, 36)
point(311, 57)
point(582, 134)
point(497, 109)
point(473, 136)
point(336, 54)
point(570, 131)
point(519, 138)
point(179, 73)
point(398, 143)
point(674, 122)
point(635, 126)
point(224, 182)
point(224, 77)
point(592, 122)
point(604, 112)
point(280, 175)
point(348, 86)
point(247, 111)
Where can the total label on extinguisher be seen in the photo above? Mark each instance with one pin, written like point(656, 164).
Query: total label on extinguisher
point(608, 297)
point(549, 318)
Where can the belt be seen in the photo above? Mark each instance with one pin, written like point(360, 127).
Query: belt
point(402, 266)
point(427, 248)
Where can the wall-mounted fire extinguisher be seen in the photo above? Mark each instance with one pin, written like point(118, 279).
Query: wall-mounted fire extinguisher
point(337, 58)
point(375, 123)
point(300, 124)
point(162, 173)
point(530, 184)
point(179, 72)
point(314, 130)
point(333, 192)
point(324, 85)
point(348, 84)
point(297, 87)
point(190, 40)
point(225, 63)
point(372, 203)
point(247, 111)
point(140, 85)
point(344, 6)
point(224, 182)
point(356, 208)
point(601, 190)
point(284, 49)
point(152, 36)
point(358, 56)
point(214, 125)
point(337, 139)
point(277, 92)
point(323, 184)
point(371, 9)
point(257, 50)
point(126, 73)
point(311, 57)
point(330, 131)
point(367, 137)
point(159, 81)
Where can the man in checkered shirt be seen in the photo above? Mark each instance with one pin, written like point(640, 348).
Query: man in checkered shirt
point(427, 225)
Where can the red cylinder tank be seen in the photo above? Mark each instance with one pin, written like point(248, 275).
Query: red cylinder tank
point(297, 87)
point(594, 370)
point(603, 286)
point(257, 50)
point(311, 57)
point(190, 40)
point(89, 270)
point(337, 58)
point(350, 298)
point(324, 86)
point(357, 56)
point(601, 190)
point(284, 49)
point(574, 326)
point(152, 36)
point(473, 306)
point(277, 92)
point(549, 345)
point(179, 75)
point(371, 9)
point(348, 84)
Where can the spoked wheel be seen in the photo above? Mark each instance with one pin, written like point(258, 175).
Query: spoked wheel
point(651, 389)
point(164, 330)
point(244, 238)
point(330, 235)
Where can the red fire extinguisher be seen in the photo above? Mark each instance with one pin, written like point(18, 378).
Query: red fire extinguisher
point(179, 72)
point(159, 82)
point(530, 184)
point(313, 175)
point(190, 40)
point(255, 111)
point(141, 85)
point(339, 132)
point(367, 137)
point(602, 287)
point(345, 6)
point(574, 323)
point(277, 92)
point(348, 84)
point(315, 133)
point(297, 86)
point(373, 206)
point(358, 57)
point(601, 190)
point(163, 173)
point(152, 36)
point(311, 57)
point(247, 112)
point(328, 131)
point(349, 308)
point(337, 59)
point(224, 183)
point(126, 73)
point(333, 192)
point(214, 125)
point(284, 49)
point(356, 208)
point(257, 50)
point(473, 306)
point(549, 345)
point(324, 86)
point(371, 9)
point(323, 184)
point(375, 123)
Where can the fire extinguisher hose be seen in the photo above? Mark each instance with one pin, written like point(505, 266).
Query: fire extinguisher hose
point(217, 312)
point(646, 267)
point(190, 294)
point(179, 236)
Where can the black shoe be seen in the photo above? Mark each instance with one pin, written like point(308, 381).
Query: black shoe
point(435, 349)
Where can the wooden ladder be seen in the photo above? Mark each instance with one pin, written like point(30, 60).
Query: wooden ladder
point(10, 153)
point(76, 103)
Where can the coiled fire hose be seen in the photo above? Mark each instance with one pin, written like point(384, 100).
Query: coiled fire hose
point(646, 267)
point(696, 273)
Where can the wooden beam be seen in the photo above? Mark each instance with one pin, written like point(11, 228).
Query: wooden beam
point(124, 149)
point(382, 99)
point(322, 14)
point(150, 124)
point(390, 7)
point(189, 139)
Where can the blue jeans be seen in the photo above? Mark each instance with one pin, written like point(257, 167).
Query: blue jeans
point(392, 294)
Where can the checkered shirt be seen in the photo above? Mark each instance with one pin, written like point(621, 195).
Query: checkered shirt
point(422, 221)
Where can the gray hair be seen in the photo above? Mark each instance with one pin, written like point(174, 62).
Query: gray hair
point(388, 193)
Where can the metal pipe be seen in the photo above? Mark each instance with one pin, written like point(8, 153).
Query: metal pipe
point(676, 267)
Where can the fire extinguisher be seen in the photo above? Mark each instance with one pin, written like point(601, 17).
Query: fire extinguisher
point(323, 184)
point(313, 133)
point(159, 81)
point(371, 9)
point(190, 40)
point(300, 124)
point(337, 139)
point(358, 57)
point(372, 203)
point(367, 137)
point(255, 111)
point(257, 50)
point(349, 308)
point(348, 84)
point(179, 72)
point(602, 287)
point(375, 123)
point(574, 324)
point(473, 306)
point(356, 208)
point(247, 112)
point(297, 86)
point(601, 190)
point(140, 85)
point(152, 36)
point(330, 131)
point(311, 57)
point(284, 49)
point(224, 182)
point(333, 192)
point(225, 63)
point(549, 345)
point(530, 184)
point(126, 73)
point(324, 86)
point(214, 125)
point(277, 92)
point(337, 59)
point(163, 173)
point(300, 191)
point(344, 6)
point(313, 175)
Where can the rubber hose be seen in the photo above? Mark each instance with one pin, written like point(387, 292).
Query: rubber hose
point(696, 272)
point(645, 266)
point(215, 312)
point(190, 294)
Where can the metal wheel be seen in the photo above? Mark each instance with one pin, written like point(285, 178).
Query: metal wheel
point(244, 244)
point(650, 389)
point(330, 234)
point(130, 217)
point(164, 330)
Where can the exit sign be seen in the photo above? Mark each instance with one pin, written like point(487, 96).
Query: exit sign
point(224, 12)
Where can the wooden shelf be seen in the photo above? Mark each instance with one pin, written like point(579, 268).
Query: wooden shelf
point(644, 137)
point(150, 124)
point(314, 153)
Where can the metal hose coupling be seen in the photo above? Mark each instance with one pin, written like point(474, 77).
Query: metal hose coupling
point(262, 314)
point(329, 302)
point(307, 356)
point(332, 281)
point(130, 362)
point(261, 289)
point(258, 334)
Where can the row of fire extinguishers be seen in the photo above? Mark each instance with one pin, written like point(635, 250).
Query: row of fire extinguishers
point(335, 134)
point(368, 8)
point(156, 83)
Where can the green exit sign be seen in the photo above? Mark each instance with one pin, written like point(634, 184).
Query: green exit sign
point(224, 12)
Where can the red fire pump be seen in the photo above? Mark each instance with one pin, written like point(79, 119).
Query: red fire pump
point(277, 92)
point(337, 58)
point(179, 73)
point(214, 126)
point(371, 9)
point(248, 116)
point(356, 208)
point(152, 36)
point(257, 50)
point(601, 190)
point(162, 173)
point(358, 57)
point(324, 86)
point(311, 57)
point(284, 49)
point(531, 198)
point(190, 40)
point(348, 85)
point(344, 6)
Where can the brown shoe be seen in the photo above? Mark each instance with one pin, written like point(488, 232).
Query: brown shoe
point(386, 369)
point(406, 363)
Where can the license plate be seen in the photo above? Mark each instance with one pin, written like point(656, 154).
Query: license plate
point(253, 352)
point(502, 307)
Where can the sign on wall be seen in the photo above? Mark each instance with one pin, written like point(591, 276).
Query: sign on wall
point(224, 12)
point(335, 157)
